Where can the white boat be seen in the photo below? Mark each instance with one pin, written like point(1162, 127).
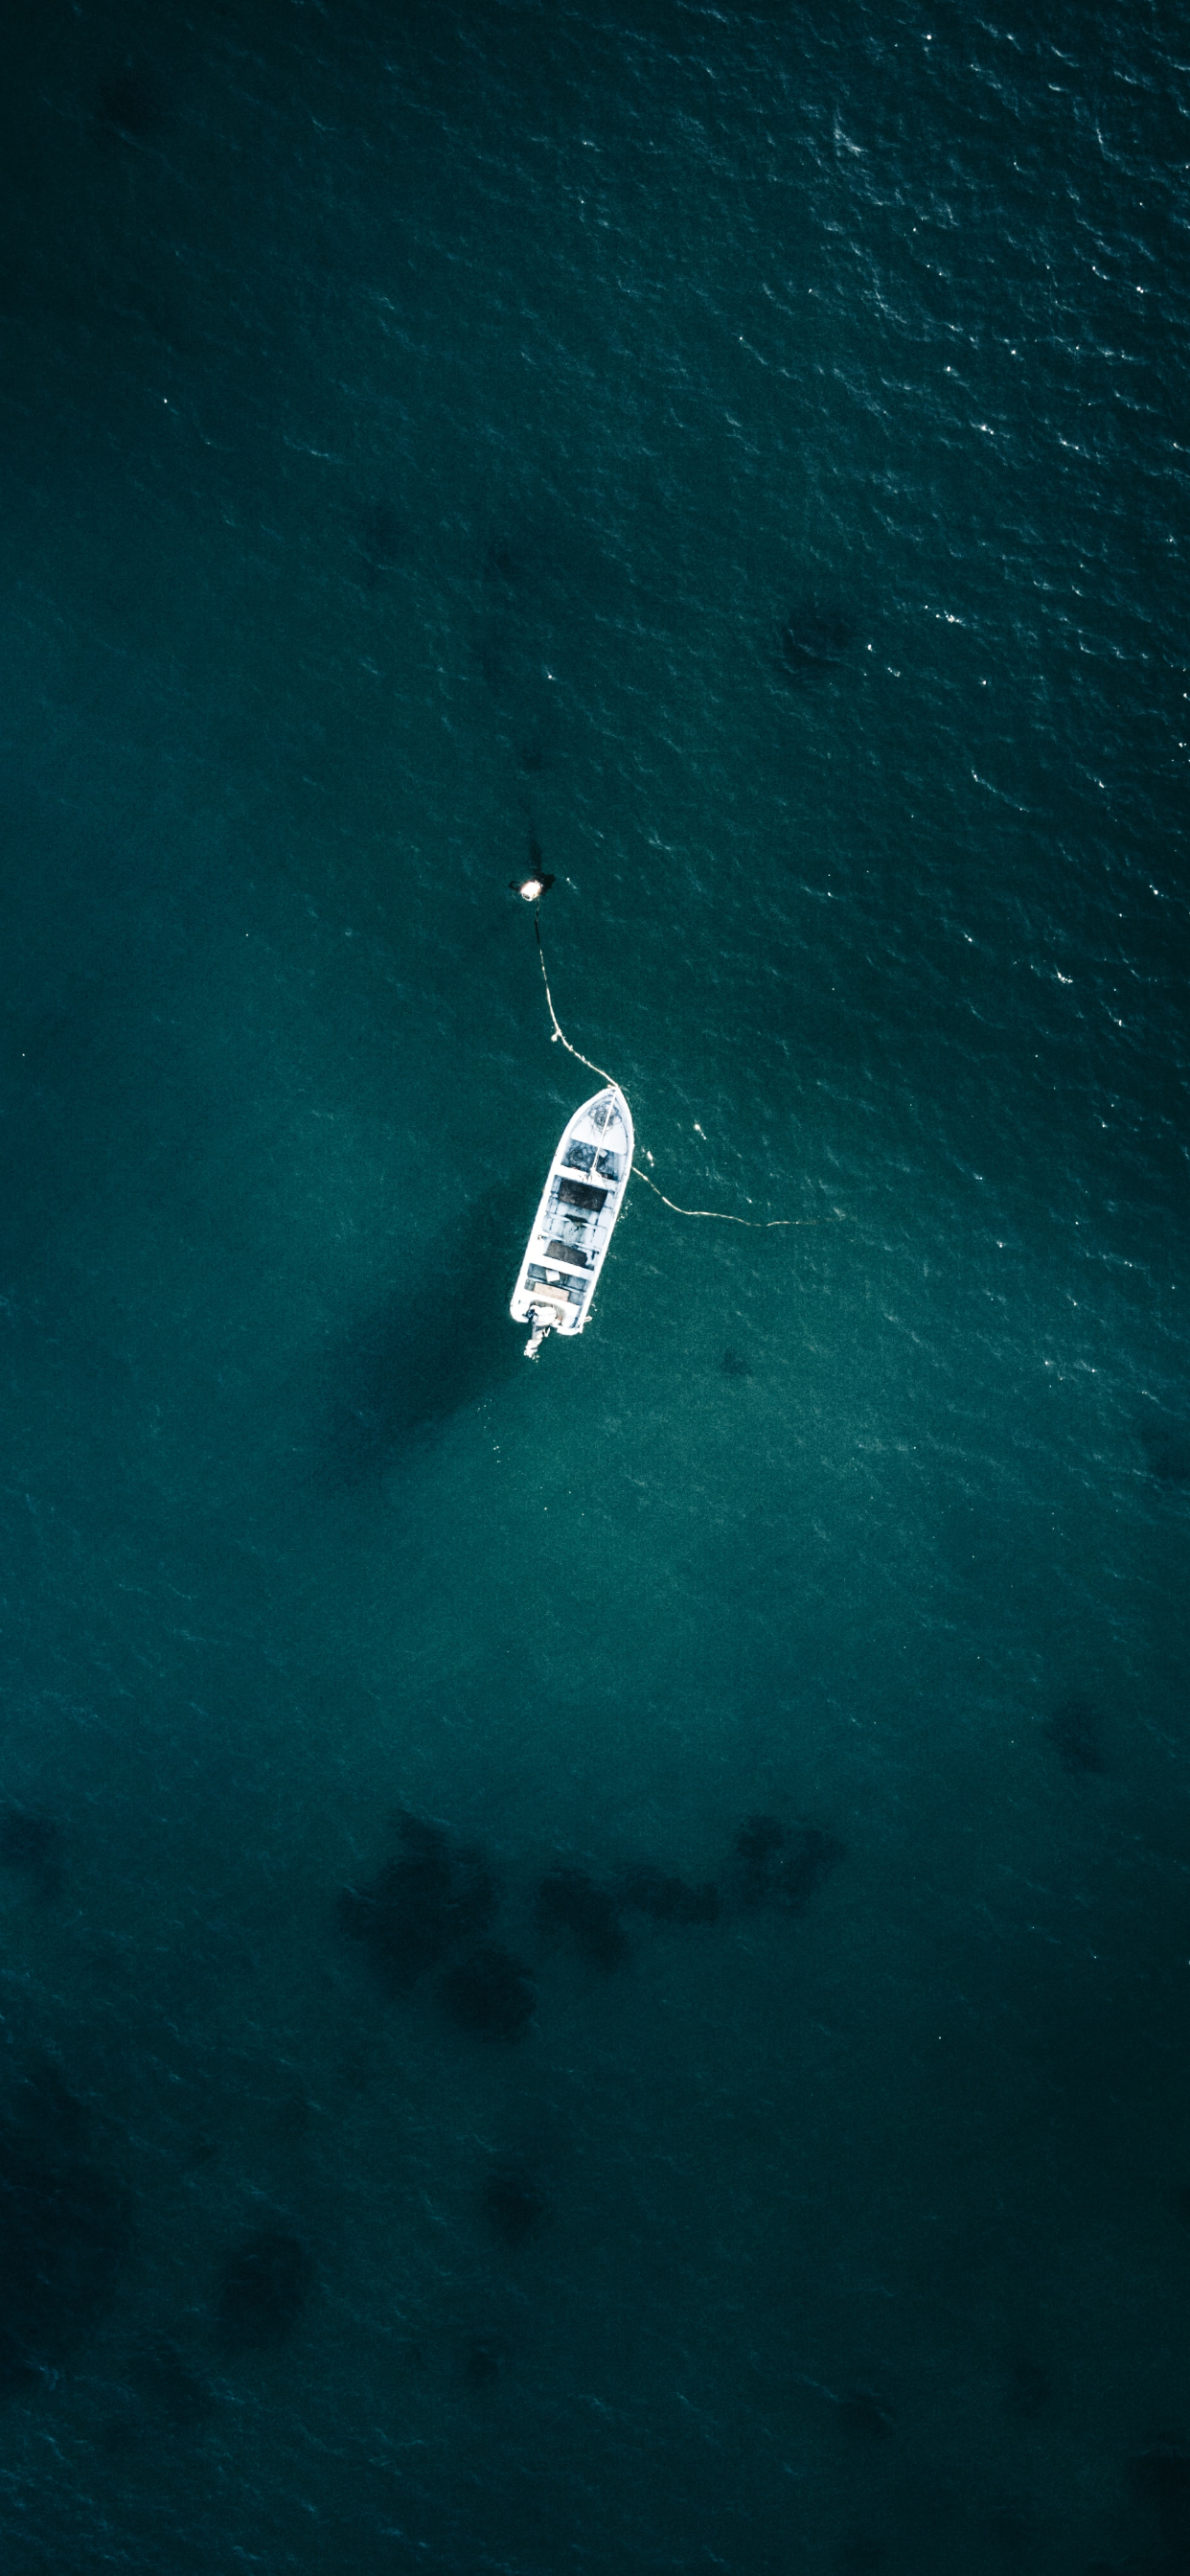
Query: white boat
point(573, 1226)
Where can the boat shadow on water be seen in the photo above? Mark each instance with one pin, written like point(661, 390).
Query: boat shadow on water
point(433, 1346)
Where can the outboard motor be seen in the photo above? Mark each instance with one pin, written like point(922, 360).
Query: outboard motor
point(540, 1333)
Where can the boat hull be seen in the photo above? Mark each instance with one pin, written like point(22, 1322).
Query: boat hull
point(572, 1229)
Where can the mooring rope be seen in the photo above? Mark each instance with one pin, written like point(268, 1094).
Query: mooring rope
point(581, 1059)
point(757, 1224)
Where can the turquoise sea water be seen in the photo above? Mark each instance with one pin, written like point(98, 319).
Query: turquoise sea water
point(744, 449)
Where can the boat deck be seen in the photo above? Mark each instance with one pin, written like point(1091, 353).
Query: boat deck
point(579, 1206)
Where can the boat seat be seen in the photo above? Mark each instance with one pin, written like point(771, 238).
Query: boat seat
point(550, 1301)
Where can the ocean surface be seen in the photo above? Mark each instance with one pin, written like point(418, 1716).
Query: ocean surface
point(595, 1959)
